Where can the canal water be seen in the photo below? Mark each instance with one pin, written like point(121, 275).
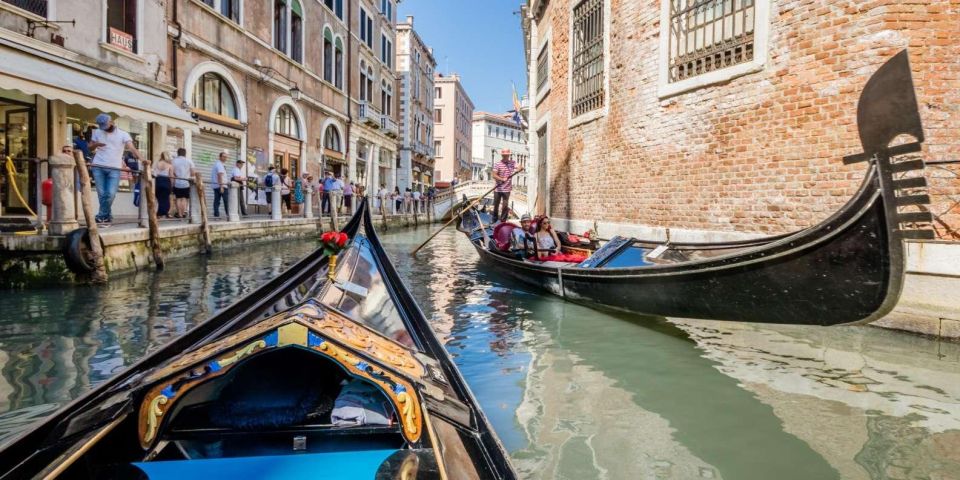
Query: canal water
point(573, 393)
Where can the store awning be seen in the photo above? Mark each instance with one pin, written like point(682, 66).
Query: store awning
point(36, 72)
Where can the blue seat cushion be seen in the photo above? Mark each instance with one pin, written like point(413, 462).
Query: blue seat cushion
point(335, 465)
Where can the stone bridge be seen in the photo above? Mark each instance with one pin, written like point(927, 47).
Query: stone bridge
point(449, 198)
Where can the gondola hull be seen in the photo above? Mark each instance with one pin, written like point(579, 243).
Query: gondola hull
point(847, 269)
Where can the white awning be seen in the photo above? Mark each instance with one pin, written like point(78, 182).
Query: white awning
point(35, 72)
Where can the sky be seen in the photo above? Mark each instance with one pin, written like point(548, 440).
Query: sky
point(479, 39)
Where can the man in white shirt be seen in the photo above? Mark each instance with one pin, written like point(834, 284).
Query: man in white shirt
point(218, 180)
point(183, 169)
point(416, 201)
point(109, 142)
point(237, 176)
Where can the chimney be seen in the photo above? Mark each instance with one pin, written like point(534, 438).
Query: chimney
point(410, 20)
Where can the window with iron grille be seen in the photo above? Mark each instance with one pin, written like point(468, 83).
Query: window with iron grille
point(37, 7)
point(708, 35)
point(588, 75)
point(543, 66)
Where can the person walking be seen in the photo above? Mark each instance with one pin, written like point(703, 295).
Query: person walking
point(348, 191)
point(108, 143)
point(237, 176)
point(270, 181)
point(161, 173)
point(416, 200)
point(502, 172)
point(183, 170)
point(218, 181)
point(397, 200)
point(329, 183)
point(285, 185)
point(298, 193)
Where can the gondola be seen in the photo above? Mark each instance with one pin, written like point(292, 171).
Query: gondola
point(330, 370)
point(847, 269)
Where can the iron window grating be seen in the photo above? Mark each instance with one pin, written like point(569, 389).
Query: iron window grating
point(588, 88)
point(708, 35)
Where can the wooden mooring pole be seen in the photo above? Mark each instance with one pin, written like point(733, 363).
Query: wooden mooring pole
point(153, 226)
point(204, 226)
point(99, 274)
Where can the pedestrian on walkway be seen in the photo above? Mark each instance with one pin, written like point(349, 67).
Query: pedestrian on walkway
point(397, 200)
point(416, 201)
point(161, 173)
point(329, 183)
point(348, 195)
point(271, 181)
point(285, 186)
point(502, 172)
point(218, 181)
point(298, 193)
point(237, 176)
point(108, 144)
point(183, 170)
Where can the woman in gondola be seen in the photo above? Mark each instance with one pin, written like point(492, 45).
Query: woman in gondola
point(547, 241)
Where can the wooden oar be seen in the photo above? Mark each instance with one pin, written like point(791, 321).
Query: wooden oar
point(459, 214)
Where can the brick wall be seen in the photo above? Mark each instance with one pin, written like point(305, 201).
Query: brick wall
point(760, 153)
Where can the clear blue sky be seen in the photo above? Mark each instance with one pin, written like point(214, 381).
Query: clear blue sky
point(479, 39)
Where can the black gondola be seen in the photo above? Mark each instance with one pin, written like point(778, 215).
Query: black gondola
point(317, 374)
point(847, 269)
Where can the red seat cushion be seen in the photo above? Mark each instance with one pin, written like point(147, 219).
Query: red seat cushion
point(501, 235)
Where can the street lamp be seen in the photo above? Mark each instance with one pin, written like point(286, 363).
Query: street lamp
point(295, 93)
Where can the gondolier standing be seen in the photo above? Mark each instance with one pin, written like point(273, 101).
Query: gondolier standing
point(502, 172)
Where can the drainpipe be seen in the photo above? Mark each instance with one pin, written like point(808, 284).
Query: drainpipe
point(176, 45)
point(349, 80)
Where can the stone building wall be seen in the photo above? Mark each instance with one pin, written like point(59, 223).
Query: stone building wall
point(758, 154)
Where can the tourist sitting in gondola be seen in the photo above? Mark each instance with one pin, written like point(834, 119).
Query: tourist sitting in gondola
point(522, 243)
point(547, 241)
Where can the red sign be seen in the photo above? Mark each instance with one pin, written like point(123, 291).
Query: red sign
point(121, 39)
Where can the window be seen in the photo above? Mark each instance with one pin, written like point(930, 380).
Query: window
point(386, 50)
point(36, 7)
point(439, 93)
point(286, 123)
point(369, 83)
point(227, 8)
point(588, 46)
point(121, 23)
point(338, 63)
point(436, 148)
point(366, 28)
point(543, 66)
point(288, 28)
point(386, 98)
point(709, 35)
point(212, 94)
point(327, 55)
point(331, 139)
point(336, 6)
point(363, 80)
point(437, 115)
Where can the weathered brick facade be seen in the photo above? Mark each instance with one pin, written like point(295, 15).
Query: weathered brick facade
point(760, 153)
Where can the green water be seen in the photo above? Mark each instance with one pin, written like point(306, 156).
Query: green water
point(572, 392)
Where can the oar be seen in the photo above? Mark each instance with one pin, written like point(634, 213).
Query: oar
point(455, 217)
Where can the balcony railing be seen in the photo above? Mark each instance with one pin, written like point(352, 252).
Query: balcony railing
point(423, 149)
point(389, 126)
point(369, 115)
point(36, 7)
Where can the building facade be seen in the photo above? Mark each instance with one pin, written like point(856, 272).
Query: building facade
point(452, 117)
point(720, 119)
point(493, 133)
point(63, 64)
point(416, 65)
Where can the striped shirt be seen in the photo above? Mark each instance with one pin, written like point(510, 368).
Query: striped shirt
point(504, 170)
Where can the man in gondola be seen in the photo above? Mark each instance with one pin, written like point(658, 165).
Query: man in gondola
point(522, 242)
point(502, 173)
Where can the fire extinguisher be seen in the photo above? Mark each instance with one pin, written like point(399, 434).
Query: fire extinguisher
point(46, 196)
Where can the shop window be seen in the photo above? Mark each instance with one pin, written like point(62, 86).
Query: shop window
point(285, 123)
point(122, 24)
point(212, 94)
point(331, 139)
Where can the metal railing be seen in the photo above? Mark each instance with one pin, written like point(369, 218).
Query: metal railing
point(369, 114)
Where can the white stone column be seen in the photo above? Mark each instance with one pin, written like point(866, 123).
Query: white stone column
point(275, 210)
point(64, 215)
point(233, 205)
point(307, 202)
point(374, 184)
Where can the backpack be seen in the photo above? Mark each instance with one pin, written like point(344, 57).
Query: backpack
point(268, 181)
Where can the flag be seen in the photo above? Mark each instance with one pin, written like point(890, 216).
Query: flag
point(516, 107)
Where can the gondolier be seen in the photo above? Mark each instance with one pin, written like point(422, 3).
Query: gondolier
point(501, 174)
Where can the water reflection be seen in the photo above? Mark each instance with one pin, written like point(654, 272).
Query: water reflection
point(57, 344)
point(579, 394)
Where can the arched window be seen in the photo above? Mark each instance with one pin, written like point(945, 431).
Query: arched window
point(331, 139)
point(386, 97)
point(338, 63)
point(369, 83)
point(285, 123)
point(363, 80)
point(288, 28)
point(212, 94)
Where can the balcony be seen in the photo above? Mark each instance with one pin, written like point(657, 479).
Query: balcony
point(389, 126)
point(369, 115)
point(422, 149)
point(36, 7)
